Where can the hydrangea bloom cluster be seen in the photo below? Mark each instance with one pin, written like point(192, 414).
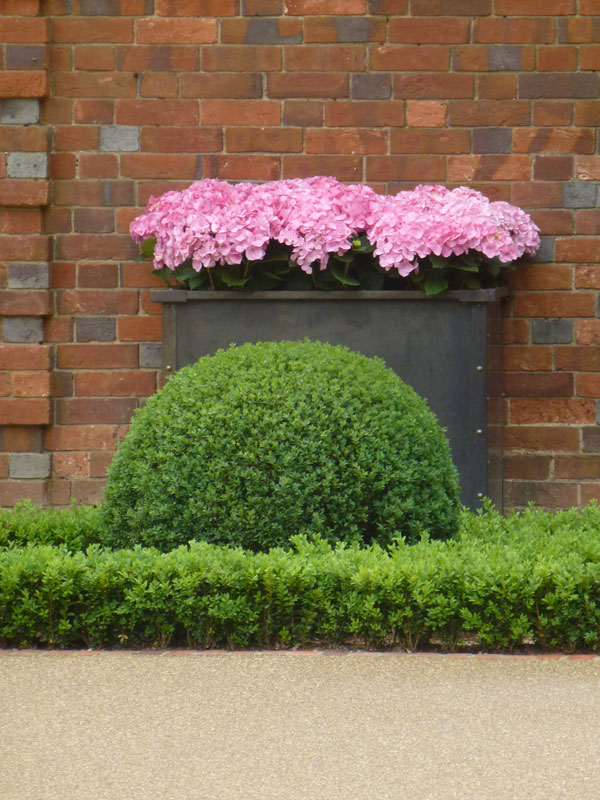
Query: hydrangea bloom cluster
point(213, 222)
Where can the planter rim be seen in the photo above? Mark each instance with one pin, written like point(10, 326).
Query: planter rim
point(462, 296)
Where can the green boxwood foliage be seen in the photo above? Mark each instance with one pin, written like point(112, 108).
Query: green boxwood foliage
point(263, 442)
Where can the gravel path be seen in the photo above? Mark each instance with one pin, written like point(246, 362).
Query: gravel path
point(297, 726)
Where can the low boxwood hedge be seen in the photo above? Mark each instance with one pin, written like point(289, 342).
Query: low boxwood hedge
point(528, 580)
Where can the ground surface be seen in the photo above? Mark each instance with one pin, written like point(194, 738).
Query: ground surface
point(297, 726)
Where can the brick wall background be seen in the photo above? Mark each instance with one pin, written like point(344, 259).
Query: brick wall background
point(106, 102)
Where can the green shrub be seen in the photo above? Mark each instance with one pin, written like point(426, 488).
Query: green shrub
point(263, 442)
point(75, 527)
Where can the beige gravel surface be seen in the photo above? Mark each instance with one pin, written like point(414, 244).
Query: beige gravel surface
point(297, 726)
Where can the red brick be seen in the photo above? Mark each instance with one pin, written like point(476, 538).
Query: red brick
point(587, 221)
point(148, 189)
point(28, 248)
point(24, 356)
point(588, 385)
point(101, 411)
point(326, 6)
point(176, 31)
point(25, 31)
point(181, 140)
point(155, 112)
point(388, 6)
point(520, 494)
point(579, 467)
point(587, 277)
point(28, 302)
point(76, 137)
point(321, 58)
point(578, 249)
point(31, 384)
point(587, 112)
point(589, 492)
point(261, 8)
point(527, 467)
point(553, 168)
point(23, 192)
point(558, 59)
point(159, 85)
point(58, 329)
point(344, 141)
point(488, 167)
point(365, 113)
point(442, 8)
point(106, 246)
point(24, 139)
point(514, 31)
point(99, 463)
point(87, 492)
point(533, 195)
point(230, 58)
point(139, 275)
point(429, 141)
point(257, 168)
point(98, 165)
point(325, 29)
point(554, 113)
point(139, 329)
point(92, 29)
point(197, 8)
point(426, 113)
point(578, 359)
point(81, 437)
point(22, 8)
point(147, 306)
point(94, 57)
point(115, 384)
point(537, 277)
point(158, 58)
point(94, 111)
point(270, 140)
point(62, 166)
point(406, 168)
point(21, 220)
point(579, 30)
point(409, 58)
point(429, 85)
point(24, 411)
point(240, 112)
point(222, 85)
point(545, 140)
point(97, 356)
point(523, 8)
point(566, 411)
point(344, 168)
point(554, 304)
point(425, 31)
point(489, 112)
point(96, 301)
point(587, 168)
point(541, 439)
point(538, 384)
point(95, 84)
point(496, 87)
point(515, 331)
point(308, 84)
point(554, 222)
point(70, 465)
point(12, 492)
point(145, 165)
point(531, 358)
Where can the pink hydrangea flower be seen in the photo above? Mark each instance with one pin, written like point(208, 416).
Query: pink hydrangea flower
point(213, 222)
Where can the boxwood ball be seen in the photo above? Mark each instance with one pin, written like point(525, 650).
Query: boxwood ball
point(258, 443)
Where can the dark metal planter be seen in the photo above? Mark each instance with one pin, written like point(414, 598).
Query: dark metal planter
point(448, 348)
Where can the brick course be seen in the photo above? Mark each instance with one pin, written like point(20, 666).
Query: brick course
point(104, 104)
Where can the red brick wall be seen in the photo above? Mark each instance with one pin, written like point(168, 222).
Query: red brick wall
point(129, 98)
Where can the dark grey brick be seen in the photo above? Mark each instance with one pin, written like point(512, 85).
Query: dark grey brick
point(28, 276)
point(151, 355)
point(492, 140)
point(579, 194)
point(29, 465)
point(597, 412)
point(20, 111)
point(552, 331)
point(266, 31)
point(558, 84)
point(353, 29)
point(591, 440)
point(371, 87)
point(546, 252)
point(95, 329)
point(100, 8)
point(504, 57)
point(22, 329)
point(25, 56)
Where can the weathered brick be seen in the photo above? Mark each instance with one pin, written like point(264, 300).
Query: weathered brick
point(425, 31)
point(558, 85)
point(115, 384)
point(222, 85)
point(234, 167)
point(496, 87)
point(155, 112)
point(527, 467)
point(19, 111)
point(22, 329)
point(433, 85)
point(538, 384)
point(579, 194)
point(173, 31)
point(158, 58)
point(29, 465)
point(578, 249)
point(240, 112)
point(590, 440)
point(344, 168)
point(24, 411)
point(304, 114)
point(406, 168)
point(259, 30)
point(119, 138)
point(24, 56)
point(371, 87)
point(344, 29)
point(308, 84)
point(96, 411)
point(553, 168)
point(565, 411)
point(520, 494)
point(181, 140)
point(579, 30)
point(554, 304)
point(230, 58)
point(488, 167)
point(260, 8)
point(491, 140)
point(95, 329)
point(553, 140)
point(514, 31)
point(512, 8)
point(552, 331)
point(23, 84)
point(426, 113)
point(541, 439)
point(489, 112)
point(429, 141)
point(28, 275)
point(504, 58)
point(147, 165)
point(364, 114)
point(27, 165)
point(346, 141)
point(410, 58)
point(268, 140)
point(301, 7)
point(323, 58)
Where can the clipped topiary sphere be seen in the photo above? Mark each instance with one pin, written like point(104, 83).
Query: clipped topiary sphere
point(258, 443)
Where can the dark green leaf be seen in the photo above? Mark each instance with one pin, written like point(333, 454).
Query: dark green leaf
point(339, 275)
point(147, 248)
point(434, 284)
point(438, 262)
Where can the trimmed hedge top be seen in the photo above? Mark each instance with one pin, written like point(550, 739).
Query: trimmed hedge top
point(262, 442)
